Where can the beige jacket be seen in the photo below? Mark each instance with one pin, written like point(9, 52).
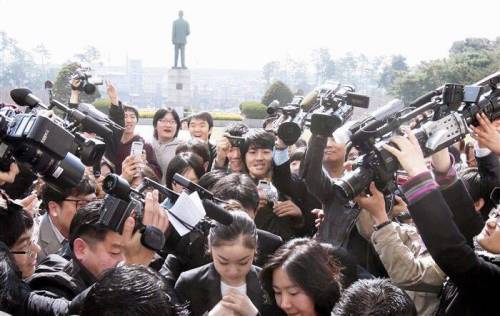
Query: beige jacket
point(409, 265)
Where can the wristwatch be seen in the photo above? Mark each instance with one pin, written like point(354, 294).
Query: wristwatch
point(152, 238)
point(381, 225)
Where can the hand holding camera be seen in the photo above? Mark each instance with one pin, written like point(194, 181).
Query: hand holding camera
point(82, 80)
point(441, 161)
point(408, 153)
point(486, 134)
point(373, 204)
point(154, 218)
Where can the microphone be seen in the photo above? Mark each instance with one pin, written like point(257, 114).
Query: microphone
point(387, 110)
point(309, 100)
point(91, 111)
point(88, 122)
point(98, 116)
point(147, 182)
point(217, 213)
point(191, 186)
point(24, 97)
point(376, 119)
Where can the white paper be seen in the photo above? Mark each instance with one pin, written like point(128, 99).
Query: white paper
point(189, 209)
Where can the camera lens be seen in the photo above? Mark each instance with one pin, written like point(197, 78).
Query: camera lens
point(116, 186)
point(66, 173)
point(343, 191)
point(89, 88)
point(352, 184)
point(289, 132)
point(90, 152)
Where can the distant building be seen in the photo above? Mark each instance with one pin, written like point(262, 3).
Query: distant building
point(211, 88)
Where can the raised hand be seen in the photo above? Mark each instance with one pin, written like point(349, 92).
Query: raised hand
point(134, 251)
point(408, 152)
point(486, 134)
point(112, 93)
point(373, 204)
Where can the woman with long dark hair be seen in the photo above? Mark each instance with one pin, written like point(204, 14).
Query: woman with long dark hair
point(303, 278)
point(188, 165)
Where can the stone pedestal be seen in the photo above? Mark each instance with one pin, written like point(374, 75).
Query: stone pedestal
point(179, 89)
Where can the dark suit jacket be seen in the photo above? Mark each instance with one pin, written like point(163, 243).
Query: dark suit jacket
point(176, 263)
point(201, 288)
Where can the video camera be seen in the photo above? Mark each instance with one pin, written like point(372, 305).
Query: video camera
point(87, 83)
point(286, 120)
point(42, 144)
point(453, 111)
point(333, 101)
point(46, 143)
point(122, 200)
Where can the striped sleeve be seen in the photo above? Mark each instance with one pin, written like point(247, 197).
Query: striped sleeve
point(418, 186)
point(446, 179)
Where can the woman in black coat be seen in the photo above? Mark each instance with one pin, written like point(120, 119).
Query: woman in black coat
point(229, 284)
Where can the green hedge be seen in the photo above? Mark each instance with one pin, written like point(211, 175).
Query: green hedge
point(253, 110)
point(102, 105)
point(219, 116)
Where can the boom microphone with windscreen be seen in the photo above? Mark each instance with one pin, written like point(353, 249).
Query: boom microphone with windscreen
point(24, 97)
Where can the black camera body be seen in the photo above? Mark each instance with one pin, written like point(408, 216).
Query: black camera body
point(287, 120)
point(87, 84)
point(120, 202)
point(330, 99)
point(42, 144)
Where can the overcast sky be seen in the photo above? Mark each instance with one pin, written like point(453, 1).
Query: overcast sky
point(237, 34)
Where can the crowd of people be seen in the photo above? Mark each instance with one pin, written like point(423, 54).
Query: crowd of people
point(292, 248)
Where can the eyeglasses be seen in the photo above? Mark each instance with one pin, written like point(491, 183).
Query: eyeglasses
point(29, 252)
point(169, 122)
point(496, 215)
point(79, 203)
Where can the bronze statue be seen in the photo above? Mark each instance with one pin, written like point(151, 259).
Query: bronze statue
point(180, 31)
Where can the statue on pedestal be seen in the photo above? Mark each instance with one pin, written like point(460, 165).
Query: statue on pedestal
point(180, 32)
